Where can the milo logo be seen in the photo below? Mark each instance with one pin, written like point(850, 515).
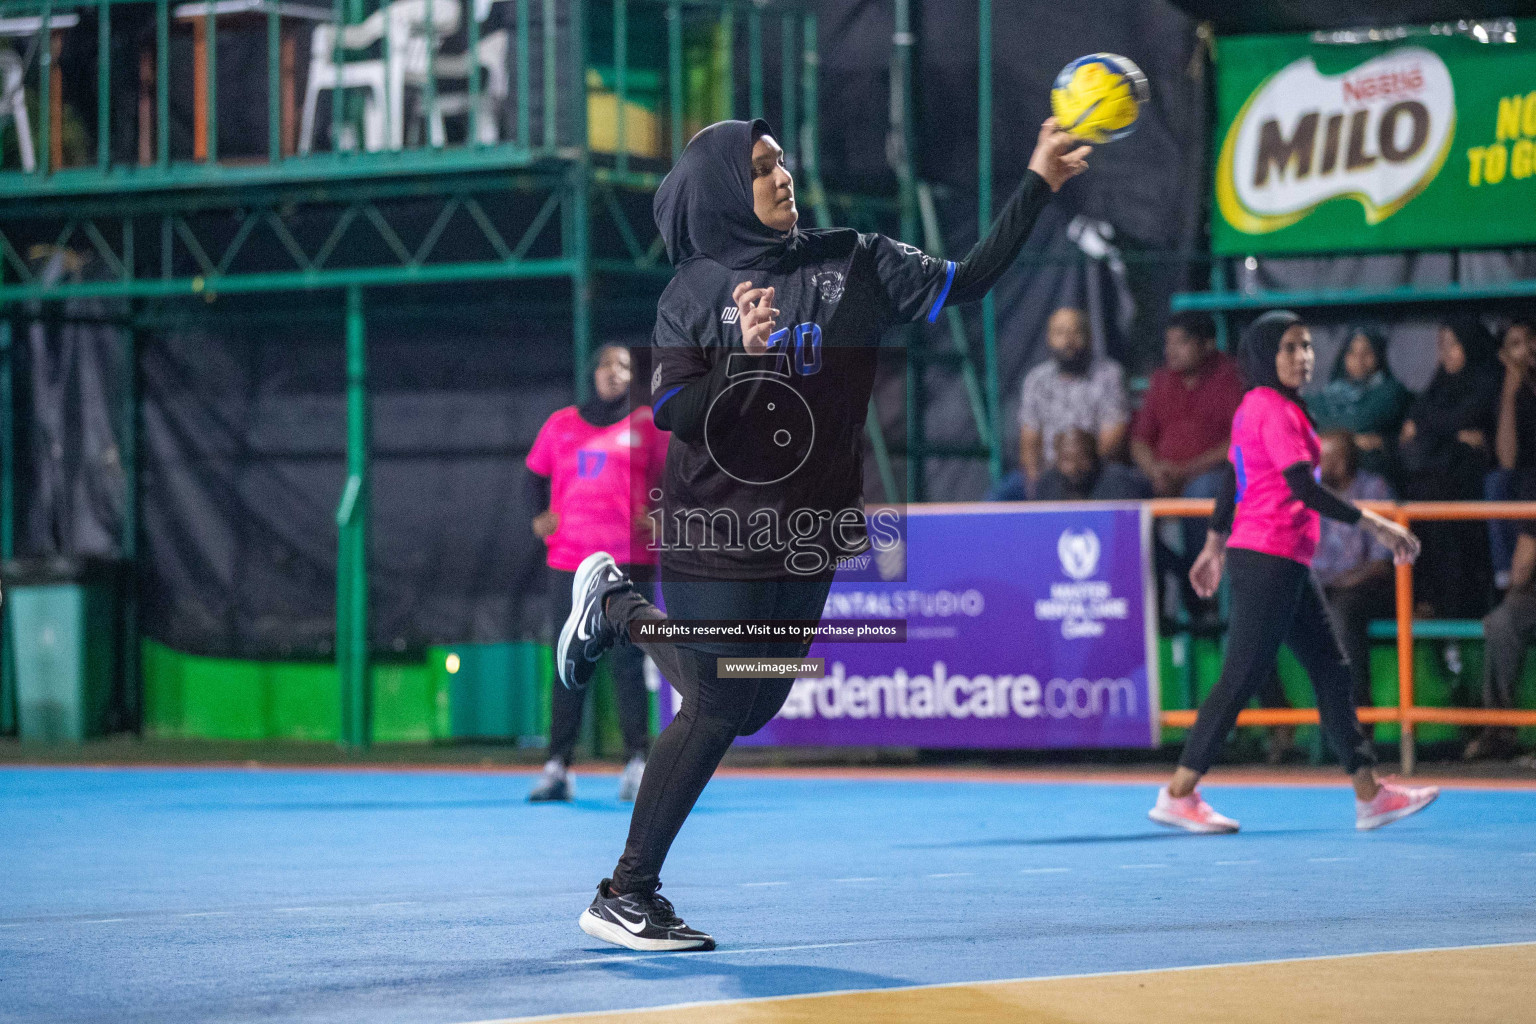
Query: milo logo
point(1377, 134)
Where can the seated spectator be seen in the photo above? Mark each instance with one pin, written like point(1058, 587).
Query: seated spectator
point(1515, 438)
point(1072, 389)
point(1507, 631)
point(1364, 398)
point(1080, 475)
point(1181, 434)
point(1354, 568)
point(1446, 448)
point(1184, 427)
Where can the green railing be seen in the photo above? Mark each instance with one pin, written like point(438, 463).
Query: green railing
point(403, 80)
point(588, 120)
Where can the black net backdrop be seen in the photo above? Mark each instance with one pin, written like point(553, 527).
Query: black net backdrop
point(242, 463)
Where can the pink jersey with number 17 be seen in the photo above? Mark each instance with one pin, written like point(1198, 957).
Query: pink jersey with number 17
point(1269, 434)
point(600, 479)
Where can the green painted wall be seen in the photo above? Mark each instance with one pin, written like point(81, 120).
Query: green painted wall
point(192, 697)
point(1435, 686)
point(497, 692)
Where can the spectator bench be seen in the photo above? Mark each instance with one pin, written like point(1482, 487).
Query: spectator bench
point(1429, 629)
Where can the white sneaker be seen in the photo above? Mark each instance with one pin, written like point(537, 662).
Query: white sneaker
point(629, 780)
point(556, 784)
point(1190, 813)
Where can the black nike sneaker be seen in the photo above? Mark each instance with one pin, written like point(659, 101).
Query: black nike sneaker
point(587, 632)
point(643, 921)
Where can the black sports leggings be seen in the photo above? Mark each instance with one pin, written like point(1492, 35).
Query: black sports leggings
point(627, 665)
point(1276, 600)
point(715, 711)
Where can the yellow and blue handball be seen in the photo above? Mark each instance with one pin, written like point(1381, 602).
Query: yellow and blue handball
point(1098, 97)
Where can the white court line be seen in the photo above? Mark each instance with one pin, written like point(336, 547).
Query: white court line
point(401, 903)
point(1141, 867)
point(294, 910)
point(1230, 863)
point(1531, 854)
point(759, 885)
point(1328, 860)
point(978, 984)
point(208, 913)
point(1044, 871)
point(104, 920)
point(714, 952)
point(953, 874)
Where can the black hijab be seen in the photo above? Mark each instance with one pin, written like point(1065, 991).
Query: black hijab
point(596, 410)
point(1476, 341)
point(1259, 347)
point(1374, 337)
point(704, 206)
point(1467, 399)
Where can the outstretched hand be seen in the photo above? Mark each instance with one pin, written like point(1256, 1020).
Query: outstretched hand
point(1399, 540)
point(1058, 155)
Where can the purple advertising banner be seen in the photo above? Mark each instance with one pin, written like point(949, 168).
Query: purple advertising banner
point(1027, 627)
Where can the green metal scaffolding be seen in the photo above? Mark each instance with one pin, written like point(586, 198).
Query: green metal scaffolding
point(171, 228)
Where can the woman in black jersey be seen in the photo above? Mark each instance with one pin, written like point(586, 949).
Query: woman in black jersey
point(763, 367)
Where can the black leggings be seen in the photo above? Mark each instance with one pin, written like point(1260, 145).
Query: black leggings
point(627, 666)
point(715, 711)
point(1276, 600)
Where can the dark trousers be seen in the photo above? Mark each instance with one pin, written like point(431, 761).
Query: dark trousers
point(1352, 609)
point(714, 712)
point(627, 666)
point(1274, 601)
point(1507, 630)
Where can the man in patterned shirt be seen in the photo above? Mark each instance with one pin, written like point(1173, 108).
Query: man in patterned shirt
point(1354, 568)
point(1073, 389)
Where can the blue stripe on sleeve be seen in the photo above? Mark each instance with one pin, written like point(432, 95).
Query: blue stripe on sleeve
point(938, 304)
point(663, 399)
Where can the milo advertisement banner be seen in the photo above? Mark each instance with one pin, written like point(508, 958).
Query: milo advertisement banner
point(1426, 141)
point(1026, 627)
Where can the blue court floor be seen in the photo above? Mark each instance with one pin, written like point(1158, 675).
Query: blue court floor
point(193, 895)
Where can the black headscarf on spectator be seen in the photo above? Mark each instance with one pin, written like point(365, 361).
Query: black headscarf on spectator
point(596, 410)
point(704, 206)
point(1467, 399)
point(1258, 348)
point(1476, 341)
point(1378, 342)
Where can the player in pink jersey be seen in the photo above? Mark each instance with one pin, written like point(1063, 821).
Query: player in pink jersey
point(1271, 505)
point(594, 466)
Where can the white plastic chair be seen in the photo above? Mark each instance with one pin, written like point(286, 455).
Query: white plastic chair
point(493, 95)
point(327, 74)
point(491, 55)
point(405, 21)
point(408, 48)
point(15, 105)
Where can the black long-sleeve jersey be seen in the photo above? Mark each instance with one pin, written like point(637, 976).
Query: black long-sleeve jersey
point(767, 481)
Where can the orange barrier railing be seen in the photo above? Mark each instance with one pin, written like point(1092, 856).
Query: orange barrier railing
point(1406, 715)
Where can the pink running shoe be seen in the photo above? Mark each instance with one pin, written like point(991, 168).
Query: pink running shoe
point(1392, 802)
point(1190, 813)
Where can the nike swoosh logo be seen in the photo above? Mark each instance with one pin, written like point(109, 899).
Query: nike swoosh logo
point(634, 928)
point(581, 630)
